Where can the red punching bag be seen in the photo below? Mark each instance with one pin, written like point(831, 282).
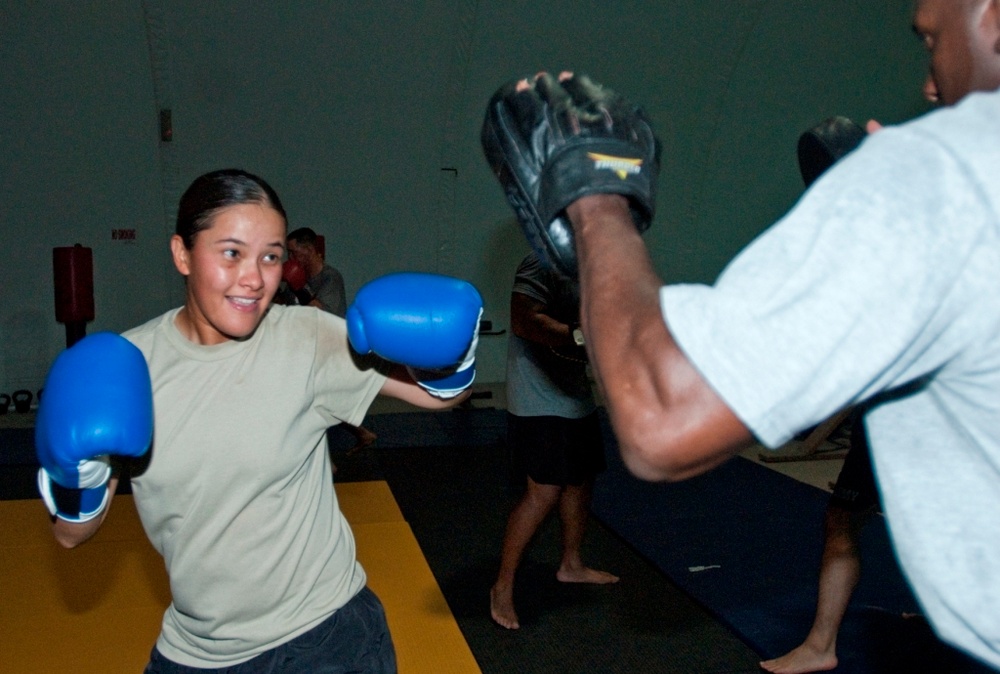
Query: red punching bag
point(74, 286)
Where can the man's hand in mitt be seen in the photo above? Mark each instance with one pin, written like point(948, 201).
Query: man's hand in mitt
point(551, 141)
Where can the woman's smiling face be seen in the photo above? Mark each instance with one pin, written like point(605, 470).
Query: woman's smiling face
point(233, 271)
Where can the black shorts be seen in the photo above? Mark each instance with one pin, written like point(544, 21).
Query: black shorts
point(555, 450)
point(855, 490)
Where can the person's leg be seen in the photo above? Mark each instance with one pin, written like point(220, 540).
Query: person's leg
point(524, 520)
point(574, 510)
point(840, 570)
point(852, 504)
point(582, 451)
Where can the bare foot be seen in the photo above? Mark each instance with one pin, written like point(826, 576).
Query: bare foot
point(800, 661)
point(502, 607)
point(585, 575)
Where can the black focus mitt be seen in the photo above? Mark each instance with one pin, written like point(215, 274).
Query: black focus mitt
point(556, 140)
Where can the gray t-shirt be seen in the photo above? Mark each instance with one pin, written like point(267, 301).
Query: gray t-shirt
point(328, 287)
point(883, 283)
point(539, 381)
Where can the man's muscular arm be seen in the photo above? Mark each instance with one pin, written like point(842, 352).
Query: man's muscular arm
point(568, 144)
point(669, 422)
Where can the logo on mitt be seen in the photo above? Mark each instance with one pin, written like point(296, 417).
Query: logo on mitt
point(622, 166)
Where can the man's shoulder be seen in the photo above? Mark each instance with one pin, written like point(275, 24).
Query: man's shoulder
point(969, 125)
point(331, 272)
point(325, 277)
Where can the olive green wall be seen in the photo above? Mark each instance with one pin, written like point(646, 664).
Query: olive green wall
point(365, 117)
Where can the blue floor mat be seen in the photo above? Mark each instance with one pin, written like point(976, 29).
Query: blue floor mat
point(745, 541)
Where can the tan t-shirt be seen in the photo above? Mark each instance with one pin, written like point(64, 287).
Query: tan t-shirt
point(238, 494)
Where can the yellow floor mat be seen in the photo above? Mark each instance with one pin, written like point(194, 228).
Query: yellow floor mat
point(97, 609)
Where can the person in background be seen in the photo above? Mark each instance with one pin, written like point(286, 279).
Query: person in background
point(552, 428)
point(316, 283)
point(319, 284)
point(854, 500)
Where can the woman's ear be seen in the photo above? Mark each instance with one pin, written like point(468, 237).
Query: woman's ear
point(181, 255)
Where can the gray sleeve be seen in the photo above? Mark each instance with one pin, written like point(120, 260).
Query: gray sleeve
point(864, 286)
point(530, 280)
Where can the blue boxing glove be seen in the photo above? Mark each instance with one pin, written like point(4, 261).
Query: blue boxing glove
point(98, 401)
point(428, 322)
point(448, 382)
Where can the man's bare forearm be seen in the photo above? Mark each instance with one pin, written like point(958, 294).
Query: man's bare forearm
point(670, 424)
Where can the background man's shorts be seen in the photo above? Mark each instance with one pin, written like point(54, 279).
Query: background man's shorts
point(555, 450)
point(856, 490)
